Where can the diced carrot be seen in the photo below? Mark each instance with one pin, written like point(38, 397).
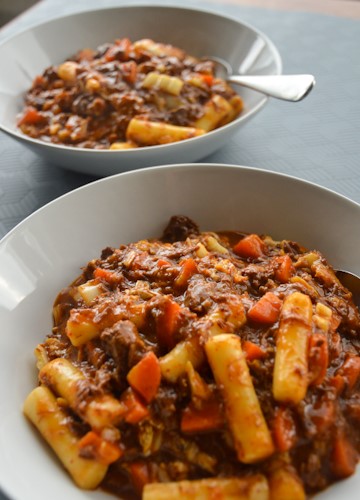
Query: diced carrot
point(266, 309)
point(136, 410)
point(31, 116)
point(163, 263)
point(167, 323)
point(89, 439)
point(335, 321)
point(284, 429)
point(343, 458)
point(318, 358)
point(350, 370)
point(338, 382)
point(188, 269)
point(145, 376)
point(140, 476)
point(252, 351)
point(207, 418)
point(103, 451)
point(208, 79)
point(284, 268)
point(39, 81)
point(121, 46)
point(129, 71)
point(106, 275)
point(250, 246)
point(111, 53)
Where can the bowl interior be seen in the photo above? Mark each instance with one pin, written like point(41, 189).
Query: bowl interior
point(36, 263)
point(199, 33)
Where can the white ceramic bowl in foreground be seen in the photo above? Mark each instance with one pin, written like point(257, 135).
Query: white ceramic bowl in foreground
point(198, 32)
point(45, 252)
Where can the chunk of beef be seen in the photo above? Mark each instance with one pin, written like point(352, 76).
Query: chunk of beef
point(123, 343)
point(179, 228)
point(199, 296)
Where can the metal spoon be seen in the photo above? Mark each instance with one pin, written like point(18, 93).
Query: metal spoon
point(286, 87)
point(352, 283)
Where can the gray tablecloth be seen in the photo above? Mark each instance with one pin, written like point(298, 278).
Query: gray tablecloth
point(317, 139)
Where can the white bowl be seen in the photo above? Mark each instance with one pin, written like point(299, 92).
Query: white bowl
point(45, 252)
point(200, 33)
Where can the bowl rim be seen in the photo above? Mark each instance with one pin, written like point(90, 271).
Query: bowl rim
point(181, 166)
point(185, 167)
point(16, 134)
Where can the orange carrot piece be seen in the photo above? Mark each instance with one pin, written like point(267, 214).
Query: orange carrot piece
point(188, 269)
point(284, 429)
point(39, 81)
point(129, 71)
point(31, 116)
point(136, 410)
point(350, 370)
point(335, 321)
point(145, 376)
point(266, 309)
point(106, 275)
point(207, 418)
point(103, 451)
point(284, 269)
point(110, 54)
point(343, 458)
point(338, 382)
point(163, 263)
point(318, 358)
point(121, 46)
point(167, 322)
point(140, 476)
point(252, 351)
point(208, 79)
point(250, 246)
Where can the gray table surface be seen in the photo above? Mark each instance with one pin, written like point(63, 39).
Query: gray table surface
point(317, 139)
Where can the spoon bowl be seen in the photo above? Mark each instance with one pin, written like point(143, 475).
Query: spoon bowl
point(352, 283)
point(291, 88)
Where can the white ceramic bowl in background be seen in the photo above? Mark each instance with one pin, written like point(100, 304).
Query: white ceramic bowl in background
point(46, 251)
point(200, 33)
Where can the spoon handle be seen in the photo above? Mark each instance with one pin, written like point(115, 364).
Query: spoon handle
point(286, 87)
